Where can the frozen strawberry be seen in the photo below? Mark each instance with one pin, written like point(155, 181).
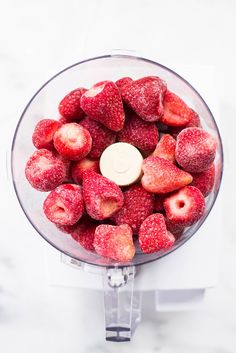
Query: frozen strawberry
point(166, 148)
point(103, 103)
point(204, 181)
point(67, 163)
point(138, 205)
point(175, 229)
point(72, 141)
point(176, 111)
point(44, 170)
point(102, 137)
point(70, 108)
point(185, 207)
point(84, 232)
point(158, 203)
point(64, 205)
point(162, 176)
point(139, 133)
point(79, 167)
point(194, 122)
point(43, 133)
point(102, 196)
point(195, 149)
point(145, 96)
point(153, 234)
point(114, 242)
point(122, 82)
point(66, 228)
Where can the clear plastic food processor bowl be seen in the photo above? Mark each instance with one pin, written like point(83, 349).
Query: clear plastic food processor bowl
point(120, 301)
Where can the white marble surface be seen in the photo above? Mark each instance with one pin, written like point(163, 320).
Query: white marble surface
point(37, 40)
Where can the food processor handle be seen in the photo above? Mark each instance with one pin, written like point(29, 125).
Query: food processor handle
point(122, 304)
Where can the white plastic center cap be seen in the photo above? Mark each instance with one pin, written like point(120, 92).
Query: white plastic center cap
point(121, 163)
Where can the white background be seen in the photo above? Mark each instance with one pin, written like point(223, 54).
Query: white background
point(38, 39)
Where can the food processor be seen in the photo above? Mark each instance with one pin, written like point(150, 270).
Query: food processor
point(122, 299)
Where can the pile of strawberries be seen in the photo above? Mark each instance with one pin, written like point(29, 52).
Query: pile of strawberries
point(177, 173)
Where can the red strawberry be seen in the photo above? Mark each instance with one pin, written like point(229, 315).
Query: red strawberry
point(79, 167)
point(145, 97)
point(70, 108)
point(175, 229)
point(103, 103)
point(122, 82)
point(153, 235)
point(139, 133)
point(102, 137)
point(84, 232)
point(194, 122)
point(45, 171)
point(185, 207)
point(64, 205)
point(72, 141)
point(138, 205)
point(166, 148)
point(114, 242)
point(204, 181)
point(195, 149)
point(43, 133)
point(162, 176)
point(102, 196)
point(176, 111)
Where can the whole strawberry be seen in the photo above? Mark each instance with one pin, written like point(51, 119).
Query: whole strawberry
point(204, 181)
point(102, 196)
point(162, 176)
point(70, 108)
point(64, 205)
point(139, 133)
point(145, 96)
point(195, 149)
point(138, 205)
point(103, 103)
point(43, 133)
point(114, 242)
point(153, 235)
point(185, 207)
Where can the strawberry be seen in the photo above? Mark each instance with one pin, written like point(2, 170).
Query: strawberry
point(185, 207)
point(103, 103)
point(138, 205)
point(194, 122)
point(43, 133)
point(84, 232)
point(204, 181)
point(153, 235)
point(195, 149)
point(139, 133)
point(70, 108)
point(122, 82)
point(64, 205)
point(72, 141)
point(145, 96)
point(79, 167)
point(102, 137)
point(176, 111)
point(166, 148)
point(66, 228)
point(114, 242)
point(45, 171)
point(102, 196)
point(162, 176)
